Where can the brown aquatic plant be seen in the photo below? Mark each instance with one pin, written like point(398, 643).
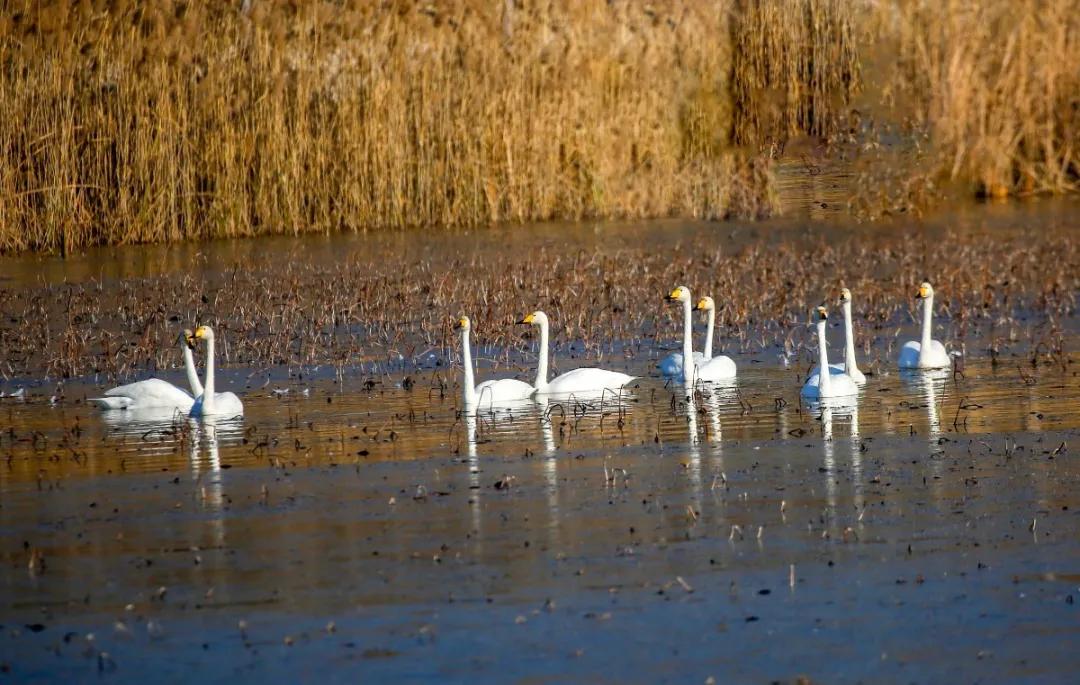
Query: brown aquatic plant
point(168, 120)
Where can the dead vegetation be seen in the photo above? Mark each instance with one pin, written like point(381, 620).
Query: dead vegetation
point(160, 121)
point(376, 306)
point(169, 120)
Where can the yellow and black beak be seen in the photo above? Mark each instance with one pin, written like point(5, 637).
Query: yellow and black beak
point(701, 305)
point(674, 295)
point(527, 319)
point(461, 324)
point(189, 338)
point(923, 293)
point(822, 313)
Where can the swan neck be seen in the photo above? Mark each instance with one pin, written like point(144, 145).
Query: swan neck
point(542, 363)
point(688, 344)
point(709, 334)
point(849, 340)
point(208, 391)
point(823, 361)
point(927, 327)
point(192, 373)
point(466, 363)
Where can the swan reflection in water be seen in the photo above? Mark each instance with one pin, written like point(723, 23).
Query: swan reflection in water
point(828, 413)
point(473, 461)
point(205, 437)
point(550, 465)
point(138, 420)
point(930, 384)
point(704, 401)
point(693, 439)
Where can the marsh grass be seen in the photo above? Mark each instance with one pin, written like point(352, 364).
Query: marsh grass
point(970, 99)
point(997, 85)
point(166, 120)
point(794, 68)
point(163, 120)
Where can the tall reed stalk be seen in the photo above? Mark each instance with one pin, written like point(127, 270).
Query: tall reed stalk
point(997, 85)
point(164, 120)
point(157, 121)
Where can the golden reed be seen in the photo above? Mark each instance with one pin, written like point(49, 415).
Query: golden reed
point(126, 122)
point(155, 121)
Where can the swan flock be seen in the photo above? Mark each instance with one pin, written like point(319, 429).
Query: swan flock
point(824, 382)
point(155, 398)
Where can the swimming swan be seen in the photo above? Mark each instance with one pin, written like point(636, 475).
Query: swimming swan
point(155, 393)
point(821, 386)
point(682, 294)
point(720, 367)
point(929, 353)
point(672, 365)
point(850, 367)
point(490, 392)
point(212, 403)
point(584, 380)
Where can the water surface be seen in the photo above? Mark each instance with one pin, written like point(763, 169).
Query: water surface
point(355, 523)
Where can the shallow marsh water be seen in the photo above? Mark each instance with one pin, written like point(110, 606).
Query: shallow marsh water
point(355, 525)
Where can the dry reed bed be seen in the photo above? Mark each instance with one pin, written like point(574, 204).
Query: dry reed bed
point(169, 120)
point(971, 97)
point(1007, 294)
point(998, 85)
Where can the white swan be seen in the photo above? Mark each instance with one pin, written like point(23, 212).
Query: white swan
point(498, 391)
point(212, 403)
point(682, 294)
point(706, 370)
point(821, 386)
point(720, 367)
point(584, 380)
point(850, 367)
point(672, 365)
point(153, 393)
point(929, 353)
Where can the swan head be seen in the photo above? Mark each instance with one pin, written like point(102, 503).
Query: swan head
point(201, 333)
point(706, 304)
point(189, 338)
point(821, 314)
point(925, 291)
point(463, 324)
point(845, 296)
point(537, 318)
point(679, 294)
